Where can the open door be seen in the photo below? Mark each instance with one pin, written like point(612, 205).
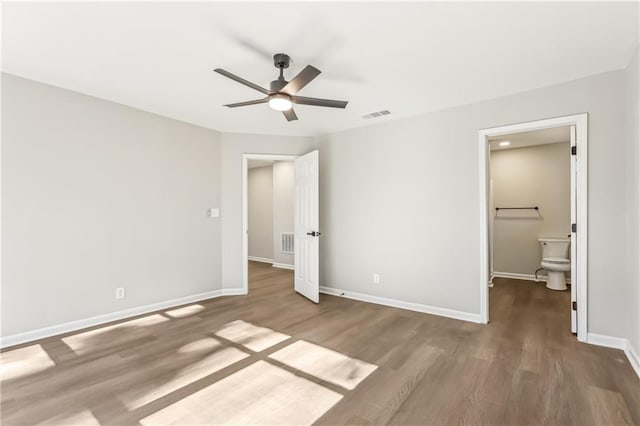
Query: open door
point(574, 245)
point(307, 245)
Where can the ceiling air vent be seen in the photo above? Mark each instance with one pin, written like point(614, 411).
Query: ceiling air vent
point(376, 114)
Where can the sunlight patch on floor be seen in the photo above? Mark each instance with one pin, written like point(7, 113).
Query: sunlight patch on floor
point(24, 361)
point(204, 344)
point(87, 342)
point(324, 363)
point(81, 418)
point(185, 311)
point(261, 394)
point(250, 336)
point(222, 357)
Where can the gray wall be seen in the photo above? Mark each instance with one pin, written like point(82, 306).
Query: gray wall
point(233, 146)
point(402, 199)
point(283, 207)
point(95, 196)
point(632, 206)
point(532, 176)
point(260, 213)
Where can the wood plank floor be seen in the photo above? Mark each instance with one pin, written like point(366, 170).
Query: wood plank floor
point(274, 357)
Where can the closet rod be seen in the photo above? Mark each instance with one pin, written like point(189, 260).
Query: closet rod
point(517, 208)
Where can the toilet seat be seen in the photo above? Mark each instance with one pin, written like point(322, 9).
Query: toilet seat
point(557, 260)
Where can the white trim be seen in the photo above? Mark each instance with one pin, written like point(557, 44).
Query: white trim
point(245, 225)
point(485, 268)
point(245, 210)
point(283, 266)
point(528, 277)
point(617, 343)
point(233, 292)
point(417, 307)
point(580, 121)
point(607, 341)
point(259, 259)
point(633, 357)
point(41, 333)
point(274, 264)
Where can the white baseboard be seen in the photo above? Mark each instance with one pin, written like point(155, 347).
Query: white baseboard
point(274, 264)
point(608, 341)
point(427, 309)
point(633, 357)
point(528, 277)
point(233, 292)
point(617, 343)
point(41, 333)
point(259, 259)
point(283, 266)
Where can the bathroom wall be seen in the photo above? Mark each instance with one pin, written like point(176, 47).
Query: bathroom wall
point(260, 213)
point(283, 207)
point(531, 176)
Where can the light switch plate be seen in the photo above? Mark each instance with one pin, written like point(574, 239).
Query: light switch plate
point(214, 212)
point(120, 293)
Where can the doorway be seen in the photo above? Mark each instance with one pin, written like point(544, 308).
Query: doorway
point(287, 199)
point(576, 127)
point(271, 193)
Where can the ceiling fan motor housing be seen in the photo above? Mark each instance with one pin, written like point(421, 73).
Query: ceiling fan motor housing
point(281, 60)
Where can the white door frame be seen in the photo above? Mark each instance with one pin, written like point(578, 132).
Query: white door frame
point(245, 208)
point(580, 121)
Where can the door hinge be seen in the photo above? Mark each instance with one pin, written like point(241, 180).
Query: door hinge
point(573, 150)
point(574, 227)
point(574, 306)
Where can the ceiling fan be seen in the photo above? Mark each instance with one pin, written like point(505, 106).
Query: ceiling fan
point(282, 94)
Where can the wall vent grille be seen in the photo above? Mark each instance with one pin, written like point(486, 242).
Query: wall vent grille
point(286, 242)
point(376, 114)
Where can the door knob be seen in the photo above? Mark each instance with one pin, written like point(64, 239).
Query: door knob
point(314, 233)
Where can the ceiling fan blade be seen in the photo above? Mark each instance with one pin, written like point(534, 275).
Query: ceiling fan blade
point(242, 81)
point(318, 102)
point(303, 78)
point(290, 114)
point(256, 102)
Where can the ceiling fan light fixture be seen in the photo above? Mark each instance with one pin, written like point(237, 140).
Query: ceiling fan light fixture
point(282, 94)
point(280, 102)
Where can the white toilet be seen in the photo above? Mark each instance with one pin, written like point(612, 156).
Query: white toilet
point(555, 259)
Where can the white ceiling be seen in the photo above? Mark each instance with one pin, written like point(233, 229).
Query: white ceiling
point(407, 57)
point(530, 138)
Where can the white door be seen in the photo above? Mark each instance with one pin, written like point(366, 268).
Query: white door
point(574, 245)
point(307, 244)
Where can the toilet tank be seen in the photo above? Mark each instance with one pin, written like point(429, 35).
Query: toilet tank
point(555, 247)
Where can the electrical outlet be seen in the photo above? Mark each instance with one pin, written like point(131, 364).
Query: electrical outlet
point(120, 293)
point(376, 278)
